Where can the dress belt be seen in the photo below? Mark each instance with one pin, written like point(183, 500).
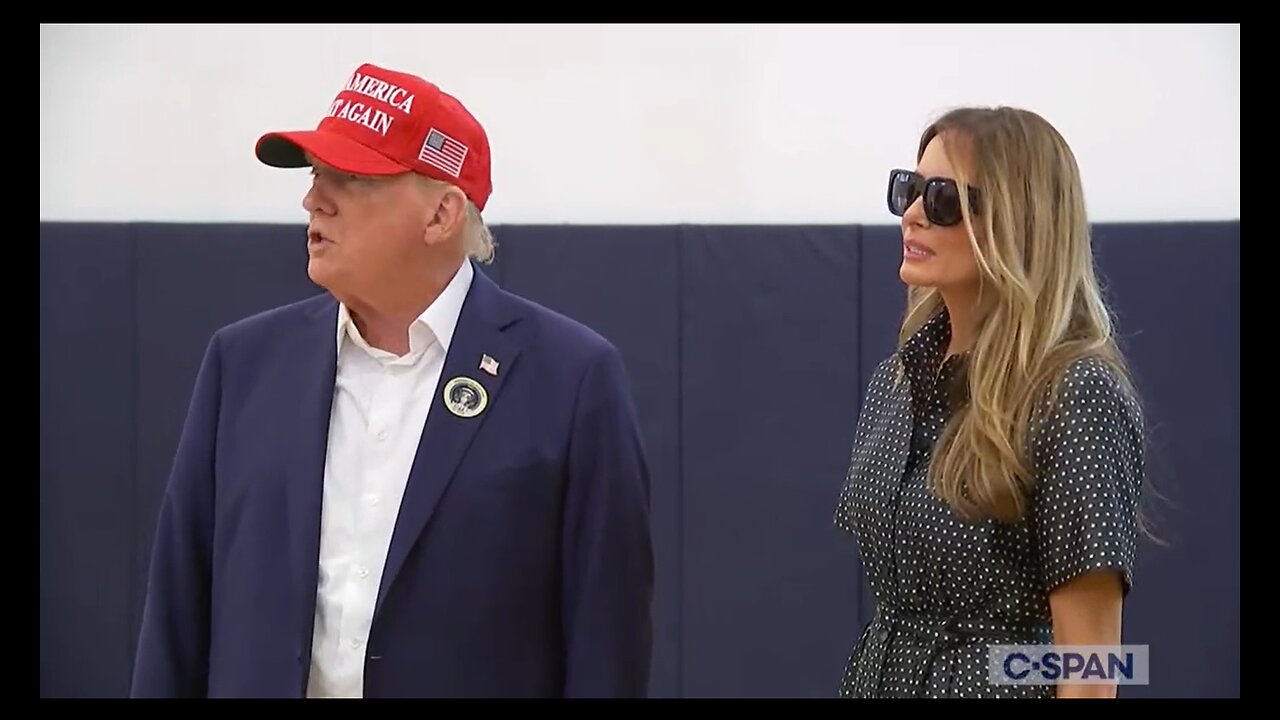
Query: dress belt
point(939, 633)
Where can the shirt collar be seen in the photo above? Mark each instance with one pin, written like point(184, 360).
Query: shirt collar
point(922, 356)
point(926, 345)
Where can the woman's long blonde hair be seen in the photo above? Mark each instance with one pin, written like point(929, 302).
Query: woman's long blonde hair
point(1040, 308)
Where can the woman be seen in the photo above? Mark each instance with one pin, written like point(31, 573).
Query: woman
point(996, 469)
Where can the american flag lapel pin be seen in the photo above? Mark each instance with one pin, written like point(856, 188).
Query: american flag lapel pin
point(489, 365)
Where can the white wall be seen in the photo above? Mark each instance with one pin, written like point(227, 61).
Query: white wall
point(639, 124)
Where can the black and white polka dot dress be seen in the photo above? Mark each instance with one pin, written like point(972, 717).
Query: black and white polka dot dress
point(947, 589)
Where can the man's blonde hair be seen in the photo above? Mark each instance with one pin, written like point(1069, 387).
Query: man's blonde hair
point(479, 238)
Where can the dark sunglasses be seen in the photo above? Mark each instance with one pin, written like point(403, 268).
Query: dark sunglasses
point(941, 196)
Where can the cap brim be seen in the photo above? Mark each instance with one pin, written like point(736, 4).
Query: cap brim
point(290, 149)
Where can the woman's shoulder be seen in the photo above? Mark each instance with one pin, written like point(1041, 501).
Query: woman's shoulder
point(1092, 397)
point(1093, 369)
point(1092, 383)
point(885, 376)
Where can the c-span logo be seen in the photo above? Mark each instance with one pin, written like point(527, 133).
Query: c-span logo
point(1069, 664)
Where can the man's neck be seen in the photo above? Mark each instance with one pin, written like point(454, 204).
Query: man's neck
point(384, 322)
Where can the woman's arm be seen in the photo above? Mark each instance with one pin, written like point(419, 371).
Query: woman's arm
point(1087, 611)
point(1090, 457)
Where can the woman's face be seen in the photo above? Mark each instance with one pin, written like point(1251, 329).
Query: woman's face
point(933, 254)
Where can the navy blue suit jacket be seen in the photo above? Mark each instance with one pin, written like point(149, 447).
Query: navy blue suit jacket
point(521, 561)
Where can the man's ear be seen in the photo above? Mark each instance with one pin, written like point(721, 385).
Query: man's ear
point(447, 215)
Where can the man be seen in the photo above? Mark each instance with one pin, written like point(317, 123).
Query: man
point(415, 484)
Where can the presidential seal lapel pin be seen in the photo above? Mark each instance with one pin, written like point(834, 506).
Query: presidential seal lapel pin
point(465, 397)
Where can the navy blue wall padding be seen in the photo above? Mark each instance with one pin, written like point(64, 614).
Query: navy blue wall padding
point(1176, 291)
point(770, 392)
point(89, 482)
point(748, 350)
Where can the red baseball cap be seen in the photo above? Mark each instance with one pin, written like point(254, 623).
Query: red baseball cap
point(384, 122)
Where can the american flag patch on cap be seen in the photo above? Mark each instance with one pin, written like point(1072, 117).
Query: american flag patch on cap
point(442, 151)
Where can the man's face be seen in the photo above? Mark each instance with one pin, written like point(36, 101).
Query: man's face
point(363, 231)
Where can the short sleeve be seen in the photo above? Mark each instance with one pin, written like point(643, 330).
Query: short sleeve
point(1089, 451)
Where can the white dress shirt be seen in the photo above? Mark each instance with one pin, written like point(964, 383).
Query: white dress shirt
point(380, 406)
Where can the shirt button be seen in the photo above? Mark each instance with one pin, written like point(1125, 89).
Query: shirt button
point(372, 499)
point(364, 572)
point(382, 434)
point(355, 642)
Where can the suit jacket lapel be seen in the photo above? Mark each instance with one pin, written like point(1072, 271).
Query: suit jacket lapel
point(310, 393)
point(446, 436)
